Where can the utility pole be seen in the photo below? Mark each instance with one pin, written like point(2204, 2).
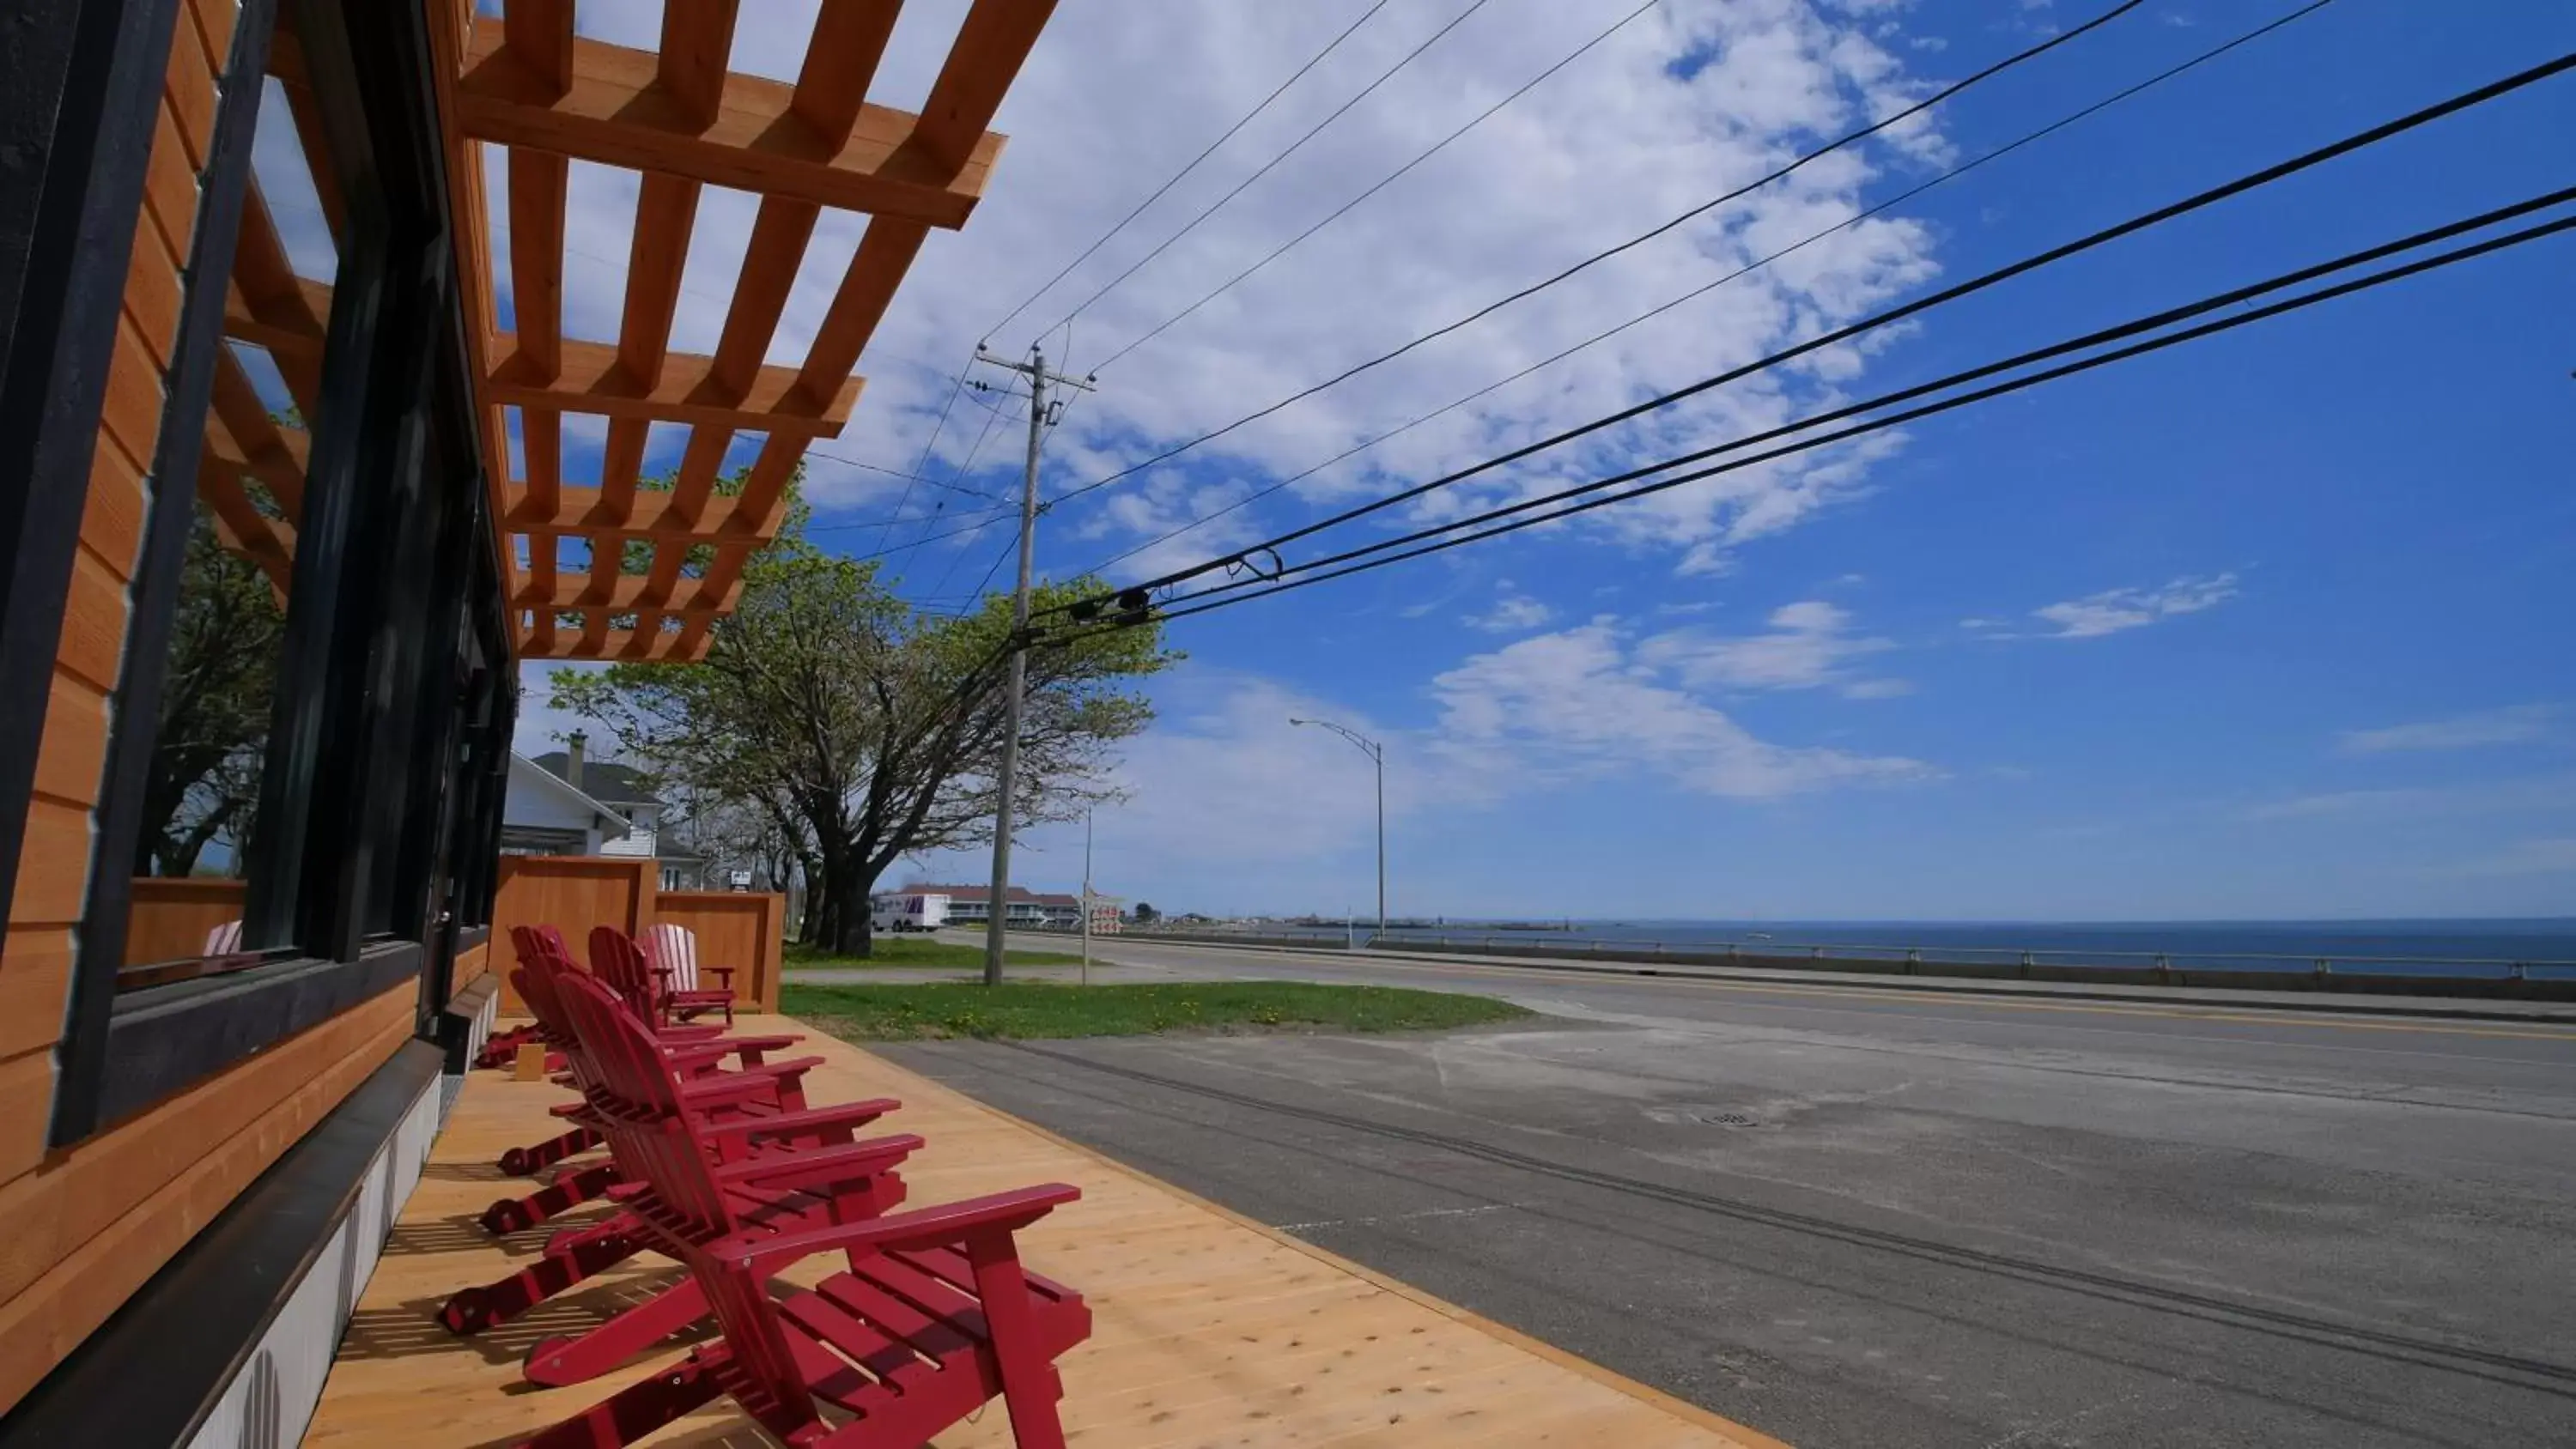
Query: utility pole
point(998, 913)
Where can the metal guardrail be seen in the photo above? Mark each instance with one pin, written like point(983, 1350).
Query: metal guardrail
point(2161, 962)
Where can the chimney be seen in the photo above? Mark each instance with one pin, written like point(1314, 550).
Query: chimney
point(573, 744)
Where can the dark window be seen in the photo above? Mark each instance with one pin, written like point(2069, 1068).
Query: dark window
point(309, 749)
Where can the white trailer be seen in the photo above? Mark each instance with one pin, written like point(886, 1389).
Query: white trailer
point(901, 911)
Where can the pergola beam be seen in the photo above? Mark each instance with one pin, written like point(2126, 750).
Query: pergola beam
point(588, 377)
point(660, 646)
point(619, 111)
point(590, 513)
point(630, 592)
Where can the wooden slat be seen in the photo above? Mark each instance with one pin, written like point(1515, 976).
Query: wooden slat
point(274, 295)
point(537, 185)
point(603, 642)
point(586, 511)
point(169, 186)
point(990, 49)
point(190, 86)
point(543, 581)
point(539, 34)
point(285, 331)
point(589, 377)
point(265, 541)
point(630, 591)
point(878, 267)
point(112, 512)
point(840, 63)
point(99, 1232)
point(618, 113)
point(450, 25)
point(242, 440)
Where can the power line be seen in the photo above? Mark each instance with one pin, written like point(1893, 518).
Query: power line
point(813, 452)
point(1175, 179)
point(991, 416)
point(1704, 288)
point(2211, 196)
point(2132, 328)
point(2173, 339)
point(1389, 179)
point(1267, 166)
point(1640, 239)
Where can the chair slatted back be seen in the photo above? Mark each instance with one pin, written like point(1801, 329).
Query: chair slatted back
point(225, 939)
point(656, 1140)
point(674, 948)
point(616, 960)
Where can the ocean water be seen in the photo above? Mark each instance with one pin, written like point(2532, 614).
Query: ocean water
point(2482, 947)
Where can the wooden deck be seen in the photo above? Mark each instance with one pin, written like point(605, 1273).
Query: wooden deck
point(1208, 1329)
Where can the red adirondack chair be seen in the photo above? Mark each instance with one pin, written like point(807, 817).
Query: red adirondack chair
point(784, 1171)
point(672, 951)
point(529, 1160)
point(702, 1049)
point(932, 1316)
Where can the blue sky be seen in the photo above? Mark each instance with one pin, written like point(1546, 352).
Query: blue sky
point(2272, 625)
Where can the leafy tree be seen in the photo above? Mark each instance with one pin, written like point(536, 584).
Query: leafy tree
point(866, 731)
point(212, 735)
point(1146, 915)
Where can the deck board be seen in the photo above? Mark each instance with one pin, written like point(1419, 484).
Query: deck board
point(1207, 1330)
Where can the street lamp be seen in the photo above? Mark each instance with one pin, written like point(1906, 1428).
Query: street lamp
point(1376, 753)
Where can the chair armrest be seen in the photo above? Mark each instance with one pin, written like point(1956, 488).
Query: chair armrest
point(760, 1083)
point(826, 1164)
point(812, 1119)
point(724, 971)
point(1002, 1212)
point(687, 1035)
point(706, 1051)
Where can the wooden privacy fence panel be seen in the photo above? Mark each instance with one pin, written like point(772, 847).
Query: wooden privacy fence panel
point(738, 929)
point(170, 918)
point(575, 892)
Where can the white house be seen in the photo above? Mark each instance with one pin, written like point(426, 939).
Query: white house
point(544, 814)
point(628, 802)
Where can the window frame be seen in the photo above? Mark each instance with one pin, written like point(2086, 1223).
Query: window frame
point(348, 888)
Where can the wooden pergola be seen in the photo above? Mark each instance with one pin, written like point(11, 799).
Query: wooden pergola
point(678, 117)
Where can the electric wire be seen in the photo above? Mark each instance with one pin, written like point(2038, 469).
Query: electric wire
point(1607, 253)
point(1175, 178)
point(1267, 166)
point(2211, 196)
point(1704, 288)
point(1230, 283)
point(1204, 601)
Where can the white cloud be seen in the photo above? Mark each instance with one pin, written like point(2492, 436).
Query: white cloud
point(2543, 793)
point(1620, 140)
point(2518, 724)
point(1513, 612)
point(2550, 856)
point(2114, 611)
point(1579, 703)
point(1810, 645)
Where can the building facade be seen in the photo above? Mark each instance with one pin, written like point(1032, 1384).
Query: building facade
point(284, 504)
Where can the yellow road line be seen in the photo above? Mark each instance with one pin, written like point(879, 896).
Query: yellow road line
point(1852, 993)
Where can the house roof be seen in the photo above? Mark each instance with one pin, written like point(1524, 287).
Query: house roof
point(601, 779)
point(555, 781)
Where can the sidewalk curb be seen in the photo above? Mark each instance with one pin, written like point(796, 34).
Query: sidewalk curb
point(2326, 1004)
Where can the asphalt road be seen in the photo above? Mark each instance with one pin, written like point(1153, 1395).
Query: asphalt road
point(1862, 1218)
